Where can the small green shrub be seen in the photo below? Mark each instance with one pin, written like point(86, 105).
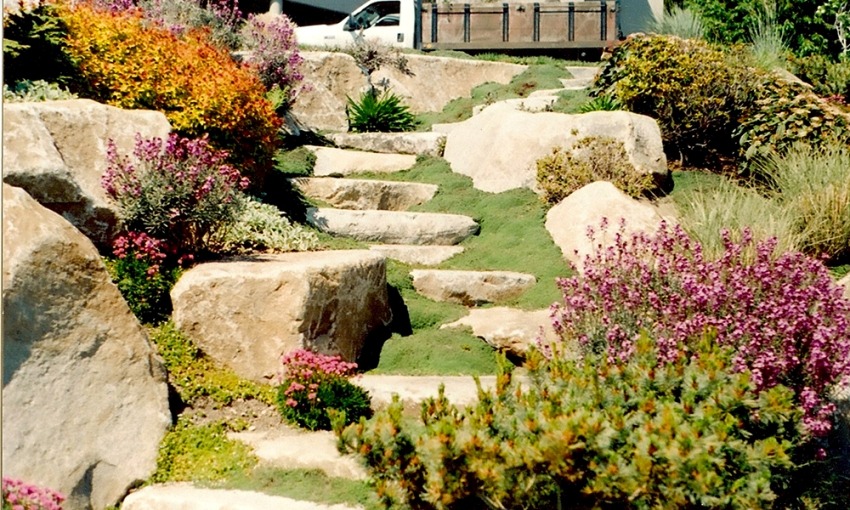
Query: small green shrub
point(601, 104)
point(379, 112)
point(38, 90)
point(33, 40)
point(200, 453)
point(829, 79)
point(592, 434)
point(314, 386)
point(590, 159)
point(263, 227)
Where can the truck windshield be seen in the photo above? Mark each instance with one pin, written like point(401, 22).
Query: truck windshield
point(369, 16)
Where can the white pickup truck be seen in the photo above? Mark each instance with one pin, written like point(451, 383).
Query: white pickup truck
point(477, 26)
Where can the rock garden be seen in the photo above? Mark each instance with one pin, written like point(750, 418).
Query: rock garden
point(240, 274)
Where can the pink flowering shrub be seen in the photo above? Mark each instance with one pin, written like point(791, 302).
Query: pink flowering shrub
point(180, 191)
point(19, 495)
point(783, 315)
point(275, 55)
point(144, 274)
point(312, 384)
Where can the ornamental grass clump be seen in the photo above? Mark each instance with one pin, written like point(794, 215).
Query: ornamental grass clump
point(315, 386)
point(180, 191)
point(19, 495)
point(783, 314)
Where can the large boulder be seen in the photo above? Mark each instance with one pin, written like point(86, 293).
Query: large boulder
point(334, 77)
point(499, 147)
point(56, 150)
point(85, 403)
point(568, 222)
point(245, 314)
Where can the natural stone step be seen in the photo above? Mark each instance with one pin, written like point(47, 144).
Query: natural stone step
point(470, 288)
point(508, 329)
point(428, 143)
point(392, 227)
point(587, 73)
point(460, 390)
point(366, 194)
point(331, 161)
point(575, 83)
point(417, 255)
point(291, 448)
point(545, 92)
point(184, 496)
point(530, 104)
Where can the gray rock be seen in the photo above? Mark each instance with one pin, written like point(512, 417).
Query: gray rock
point(427, 143)
point(499, 148)
point(508, 329)
point(366, 194)
point(471, 288)
point(85, 403)
point(246, 313)
point(846, 283)
point(392, 227)
point(333, 162)
point(568, 221)
point(184, 496)
point(417, 255)
point(56, 150)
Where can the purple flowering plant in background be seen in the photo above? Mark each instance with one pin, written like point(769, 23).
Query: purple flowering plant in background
point(275, 54)
point(19, 495)
point(782, 313)
point(179, 191)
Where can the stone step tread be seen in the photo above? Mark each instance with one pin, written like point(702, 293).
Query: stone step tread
point(418, 255)
point(332, 161)
point(291, 448)
point(537, 103)
point(411, 389)
point(185, 496)
point(394, 227)
point(366, 194)
point(392, 143)
point(471, 288)
point(508, 329)
point(583, 72)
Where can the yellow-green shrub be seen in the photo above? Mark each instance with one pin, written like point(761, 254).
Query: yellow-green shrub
point(594, 158)
point(129, 63)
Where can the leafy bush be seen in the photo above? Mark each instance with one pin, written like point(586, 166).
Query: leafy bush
point(275, 55)
point(143, 275)
point(813, 184)
point(19, 495)
point(263, 227)
point(783, 315)
point(599, 434)
point(181, 192)
point(39, 90)
point(590, 159)
point(314, 384)
point(828, 79)
point(694, 90)
point(33, 40)
point(195, 376)
point(127, 62)
point(379, 112)
point(200, 453)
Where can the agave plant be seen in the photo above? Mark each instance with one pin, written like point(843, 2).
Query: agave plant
point(379, 112)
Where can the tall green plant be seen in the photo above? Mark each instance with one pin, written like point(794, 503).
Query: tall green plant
point(679, 21)
point(379, 112)
point(767, 40)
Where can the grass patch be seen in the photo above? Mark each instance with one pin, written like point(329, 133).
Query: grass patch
point(194, 375)
point(306, 485)
point(298, 162)
point(571, 101)
point(543, 75)
point(437, 352)
point(201, 453)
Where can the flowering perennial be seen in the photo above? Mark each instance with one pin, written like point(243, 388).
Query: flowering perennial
point(275, 54)
point(19, 495)
point(179, 190)
point(784, 315)
point(305, 370)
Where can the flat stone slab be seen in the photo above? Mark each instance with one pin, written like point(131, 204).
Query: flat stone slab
point(331, 161)
point(845, 282)
point(470, 288)
point(184, 496)
point(508, 329)
point(393, 227)
point(428, 143)
point(586, 73)
point(444, 128)
point(417, 255)
point(291, 448)
point(531, 104)
point(365, 194)
point(460, 389)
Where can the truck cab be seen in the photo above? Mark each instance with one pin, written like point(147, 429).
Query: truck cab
point(389, 21)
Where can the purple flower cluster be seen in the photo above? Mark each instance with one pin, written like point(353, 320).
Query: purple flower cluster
point(18, 495)
point(784, 315)
point(275, 53)
point(305, 370)
point(180, 191)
